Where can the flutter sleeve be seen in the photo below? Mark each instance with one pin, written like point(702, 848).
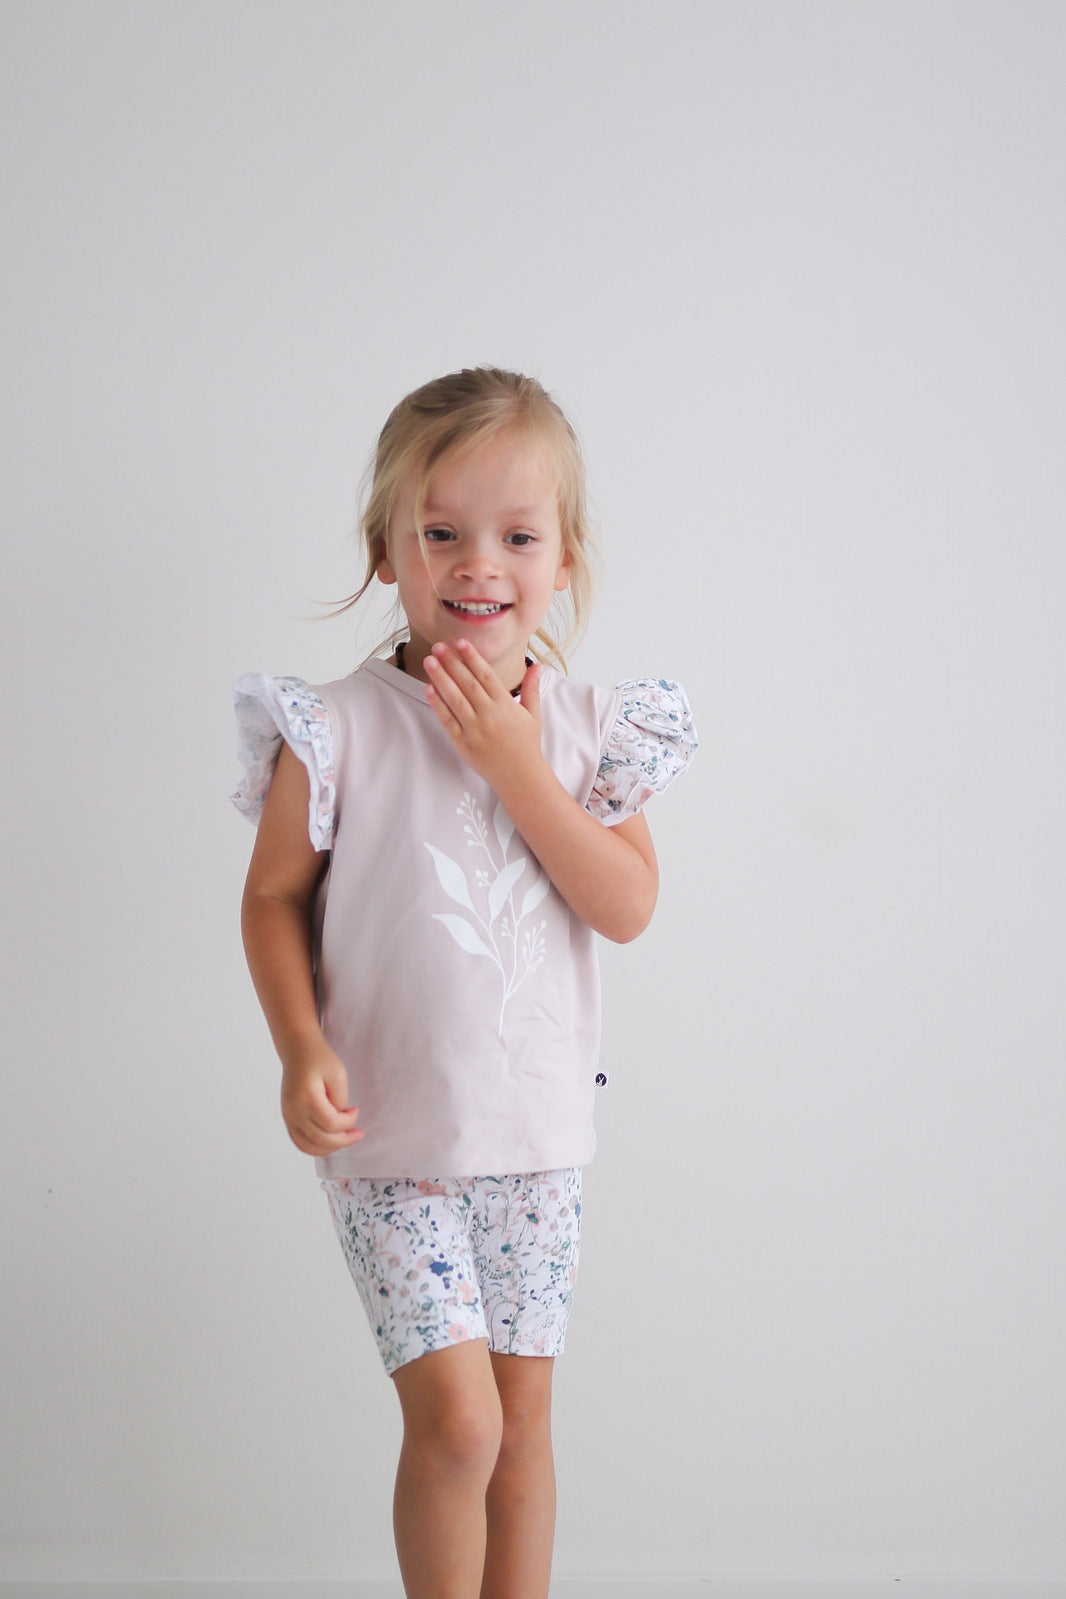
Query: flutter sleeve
point(652, 742)
point(273, 710)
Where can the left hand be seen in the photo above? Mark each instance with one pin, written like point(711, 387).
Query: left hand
point(496, 734)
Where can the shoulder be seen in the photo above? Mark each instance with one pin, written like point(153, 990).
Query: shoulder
point(575, 720)
point(567, 697)
point(376, 683)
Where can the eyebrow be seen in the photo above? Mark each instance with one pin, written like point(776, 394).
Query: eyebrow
point(431, 508)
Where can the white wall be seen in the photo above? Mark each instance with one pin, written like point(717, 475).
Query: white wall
point(796, 272)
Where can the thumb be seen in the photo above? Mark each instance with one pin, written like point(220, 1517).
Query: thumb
point(530, 693)
point(335, 1078)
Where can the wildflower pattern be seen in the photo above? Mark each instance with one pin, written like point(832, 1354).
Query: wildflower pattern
point(493, 923)
point(438, 1261)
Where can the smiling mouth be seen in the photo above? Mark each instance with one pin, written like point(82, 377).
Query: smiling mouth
point(475, 607)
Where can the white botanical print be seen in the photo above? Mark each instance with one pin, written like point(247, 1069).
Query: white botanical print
point(493, 925)
point(441, 1260)
point(652, 741)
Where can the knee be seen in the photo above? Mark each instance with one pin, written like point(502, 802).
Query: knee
point(526, 1429)
point(459, 1435)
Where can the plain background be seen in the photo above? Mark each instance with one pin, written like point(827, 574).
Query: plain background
point(795, 271)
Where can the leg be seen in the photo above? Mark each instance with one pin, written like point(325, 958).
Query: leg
point(520, 1501)
point(452, 1428)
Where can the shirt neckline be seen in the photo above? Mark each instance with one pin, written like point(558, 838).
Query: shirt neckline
point(392, 677)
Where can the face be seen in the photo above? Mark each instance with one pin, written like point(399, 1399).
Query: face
point(493, 558)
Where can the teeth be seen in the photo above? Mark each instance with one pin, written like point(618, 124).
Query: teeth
point(473, 610)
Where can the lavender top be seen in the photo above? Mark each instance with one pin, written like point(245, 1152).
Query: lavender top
point(453, 980)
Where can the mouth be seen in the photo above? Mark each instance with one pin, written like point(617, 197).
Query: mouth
point(475, 607)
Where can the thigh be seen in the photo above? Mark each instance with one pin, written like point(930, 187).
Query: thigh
point(526, 1237)
point(408, 1250)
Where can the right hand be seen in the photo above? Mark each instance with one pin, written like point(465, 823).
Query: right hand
point(314, 1102)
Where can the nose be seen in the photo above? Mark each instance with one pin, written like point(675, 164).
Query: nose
point(478, 558)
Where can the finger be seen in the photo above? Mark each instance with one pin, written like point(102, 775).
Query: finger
point(340, 1140)
point(335, 1087)
point(480, 670)
point(332, 1117)
point(444, 667)
point(313, 1108)
point(450, 723)
point(326, 1118)
point(529, 698)
point(327, 1141)
point(324, 1143)
point(469, 669)
point(319, 1120)
point(455, 696)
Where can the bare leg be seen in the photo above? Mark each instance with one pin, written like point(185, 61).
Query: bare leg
point(452, 1428)
point(521, 1495)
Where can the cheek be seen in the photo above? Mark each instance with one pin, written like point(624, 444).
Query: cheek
point(418, 579)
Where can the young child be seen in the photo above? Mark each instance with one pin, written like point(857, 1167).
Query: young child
point(441, 834)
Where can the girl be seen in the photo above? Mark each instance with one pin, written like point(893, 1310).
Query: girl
point(440, 836)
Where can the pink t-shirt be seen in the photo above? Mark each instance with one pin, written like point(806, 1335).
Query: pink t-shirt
point(453, 980)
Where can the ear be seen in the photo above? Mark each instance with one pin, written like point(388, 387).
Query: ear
point(386, 571)
point(562, 576)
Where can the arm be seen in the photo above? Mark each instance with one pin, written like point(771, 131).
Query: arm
point(276, 926)
point(607, 875)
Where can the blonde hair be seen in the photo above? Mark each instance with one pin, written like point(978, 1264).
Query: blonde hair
point(444, 419)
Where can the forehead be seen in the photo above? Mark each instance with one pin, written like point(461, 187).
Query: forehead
point(514, 469)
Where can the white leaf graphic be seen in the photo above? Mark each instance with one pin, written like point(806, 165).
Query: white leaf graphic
point(465, 936)
point(452, 878)
point(535, 894)
point(502, 887)
point(504, 827)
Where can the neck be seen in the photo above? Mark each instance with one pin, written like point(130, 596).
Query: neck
point(401, 665)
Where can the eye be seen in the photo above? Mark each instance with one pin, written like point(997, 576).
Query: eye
point(437, 535)
point(520, 539)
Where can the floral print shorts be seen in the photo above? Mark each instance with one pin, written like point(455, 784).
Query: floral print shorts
point(445, 1260)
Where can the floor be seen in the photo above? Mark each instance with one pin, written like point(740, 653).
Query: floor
point(562, 1588)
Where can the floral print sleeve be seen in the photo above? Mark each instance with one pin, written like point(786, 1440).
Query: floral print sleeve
point(273, 710)
point(651, 743)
